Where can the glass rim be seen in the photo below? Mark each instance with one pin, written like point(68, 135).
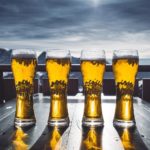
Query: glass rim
point(125, 53)
point(126, 50)
point(23, 53)
point(95, 50)
point(93, 55)
point(60, 53)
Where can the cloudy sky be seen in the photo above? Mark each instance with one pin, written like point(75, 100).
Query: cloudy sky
point(75, 24)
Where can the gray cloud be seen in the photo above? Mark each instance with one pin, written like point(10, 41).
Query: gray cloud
point(74, 21)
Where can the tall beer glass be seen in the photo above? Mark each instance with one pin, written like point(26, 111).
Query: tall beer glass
point(23, 65)
point(58, 65)
point(92, 69)
point(125, 68)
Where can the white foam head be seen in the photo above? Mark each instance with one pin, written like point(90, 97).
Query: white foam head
point(125, 54)
point(93, 55)
point(23, 53)
point(58, 54)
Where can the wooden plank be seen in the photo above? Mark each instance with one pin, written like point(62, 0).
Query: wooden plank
point(7, 113)
point(142, 113)
point(9, 136)
point(51, 138)
point(131, 139)
point(9, 133)
point(105, 138)
point(75, 136)
point(56, 137)
point(115, 141)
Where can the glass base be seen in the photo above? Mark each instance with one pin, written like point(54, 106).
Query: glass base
point(24, 122)
point(124, 124)
point(58, 122)
point(98, 122)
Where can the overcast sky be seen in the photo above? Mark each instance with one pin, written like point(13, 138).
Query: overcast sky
point(75, 24)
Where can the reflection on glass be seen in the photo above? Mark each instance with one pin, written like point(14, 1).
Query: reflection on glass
point(125, 68)
point(23, 64)
point(19, 140)
point(58, 69)
point(55, 142)
point(126, 136)
point(91, 138)
point(92, 69)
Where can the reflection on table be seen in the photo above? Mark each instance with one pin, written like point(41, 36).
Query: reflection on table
point(127, 137)
point(91, 138)
point(55, 138)
point(19, 139)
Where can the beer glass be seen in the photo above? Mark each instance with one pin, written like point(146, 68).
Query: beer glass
point(58, 63)
point(92, 69)
point(125, 68)
point(23, 64)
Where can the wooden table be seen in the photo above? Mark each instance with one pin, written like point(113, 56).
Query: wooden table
point(75, 137)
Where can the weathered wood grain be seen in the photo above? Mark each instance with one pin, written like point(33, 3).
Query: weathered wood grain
point(75, 137)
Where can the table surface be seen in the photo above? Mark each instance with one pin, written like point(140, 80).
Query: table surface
point(75, 137)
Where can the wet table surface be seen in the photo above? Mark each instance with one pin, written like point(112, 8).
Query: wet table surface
point(75, 137)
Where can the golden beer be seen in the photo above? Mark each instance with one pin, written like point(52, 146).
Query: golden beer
point(58, 73)
point(125, 70)
point(23, 68)
point(92, 73)
point(92, 138)
point(127, 136)
point(20, 140)
point(55, 139)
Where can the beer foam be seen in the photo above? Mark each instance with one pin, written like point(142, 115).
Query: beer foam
point(23, 53)
point(92, 55)
point(58, 54)
point(126, 54)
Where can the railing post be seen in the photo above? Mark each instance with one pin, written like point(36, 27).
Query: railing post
point(146, 87)
point(1, 87)
point(109, 87)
